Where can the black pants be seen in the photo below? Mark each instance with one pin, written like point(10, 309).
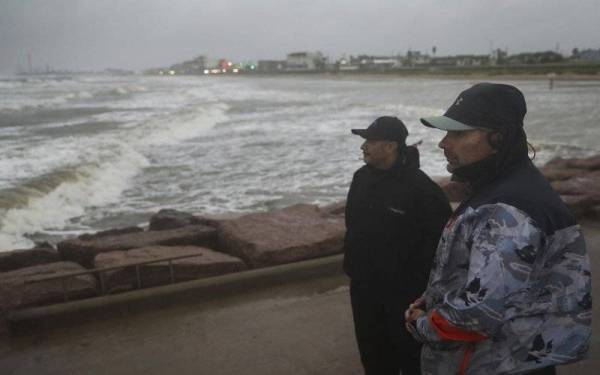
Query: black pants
point(544, 371)
point(384, 344)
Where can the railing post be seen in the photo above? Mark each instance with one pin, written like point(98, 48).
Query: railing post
point(171, 272)
point(64, 289)
point(137, 275)
point(101, 278)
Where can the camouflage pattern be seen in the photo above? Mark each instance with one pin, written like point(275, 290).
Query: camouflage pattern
point(528, 292)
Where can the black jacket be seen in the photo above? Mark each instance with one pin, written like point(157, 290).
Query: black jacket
point(394, 219)
point(523, 186)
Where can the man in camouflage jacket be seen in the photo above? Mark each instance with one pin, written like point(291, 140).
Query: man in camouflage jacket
point(510, 288)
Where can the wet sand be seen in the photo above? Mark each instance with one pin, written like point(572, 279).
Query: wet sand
point(300, 327)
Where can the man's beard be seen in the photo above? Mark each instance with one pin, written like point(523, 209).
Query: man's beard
point(477, 172)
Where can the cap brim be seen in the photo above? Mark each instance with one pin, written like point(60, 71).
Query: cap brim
point(361, 132)
point(445, 123)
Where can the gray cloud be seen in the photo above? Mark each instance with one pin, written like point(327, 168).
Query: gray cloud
point(87, 34)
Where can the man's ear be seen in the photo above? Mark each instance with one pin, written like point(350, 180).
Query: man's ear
point(496, 140)
point(392, 146)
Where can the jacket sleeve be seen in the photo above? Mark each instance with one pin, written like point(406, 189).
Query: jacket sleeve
point(502, 243)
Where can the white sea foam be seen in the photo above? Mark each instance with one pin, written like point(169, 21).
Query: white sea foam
point(188, 126)
point(107, 165)
point(97, 185)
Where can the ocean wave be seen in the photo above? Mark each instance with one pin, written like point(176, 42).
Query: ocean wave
point(38, 186)
point(51, 201)
point(36, 116)
point(181, 128)
point(118, 91)
point(98, 170)
point(28, 100)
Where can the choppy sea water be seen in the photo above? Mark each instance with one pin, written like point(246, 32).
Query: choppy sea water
point(87, 153)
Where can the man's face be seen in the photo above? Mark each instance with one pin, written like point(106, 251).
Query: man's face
point(465, 147)
point(379, 154)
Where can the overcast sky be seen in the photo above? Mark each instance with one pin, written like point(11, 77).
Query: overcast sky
point(96, 34)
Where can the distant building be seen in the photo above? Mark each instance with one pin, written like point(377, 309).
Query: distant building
point(415, 59)
point(347, 64)
point(305, 61)
point(443, 61)
point(460, 60)
point(545, 57)
point(271, 66)
point(378, 63)
point(194, 66)
point(498, 57)
point(472, 60)
point(589, 55)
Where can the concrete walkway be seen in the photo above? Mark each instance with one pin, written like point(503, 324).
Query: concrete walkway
point(298, 327)
point(296, 321)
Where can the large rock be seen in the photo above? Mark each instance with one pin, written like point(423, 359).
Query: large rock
point(172, 219)
point(109, 232)
point(83, 252)
point(12, 260)
point(18, 289)
point(591, 164)
point(337, 208)
point(588, 184)
point(204, 263)
point(455, 191)
point(582, 205)
point(294, 233)
point(560, 174)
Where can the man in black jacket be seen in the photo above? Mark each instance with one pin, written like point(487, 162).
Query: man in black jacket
point(394, 217)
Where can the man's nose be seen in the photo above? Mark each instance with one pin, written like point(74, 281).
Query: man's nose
point(444, 142)
point(363, 146)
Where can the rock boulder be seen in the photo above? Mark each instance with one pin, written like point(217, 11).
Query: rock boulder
point(590, 164)
point(588, 184)
point(560, 174)
point(581, 205)
point(337, 208)
point(19, 289)
point(172, 219)
point(204, 263)
point(109, 232)
point(83, 252)
point(12, 260)
point(291, 234)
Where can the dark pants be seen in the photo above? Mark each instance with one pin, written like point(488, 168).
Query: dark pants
point(544, 371)
point(384, 344)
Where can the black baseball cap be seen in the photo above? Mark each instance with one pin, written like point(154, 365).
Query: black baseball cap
point(385, 128)
point(491, 106)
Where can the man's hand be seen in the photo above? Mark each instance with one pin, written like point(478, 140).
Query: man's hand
point(411, 315)
point(414, 310)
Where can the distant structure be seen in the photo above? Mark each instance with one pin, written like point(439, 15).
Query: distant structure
point(305, 62)
point(29, 64)
point(194, 66)
point(461, 60)
point(498, 57)
point(271, 66)
point(416, 59)
point(529, 58)
point(315, 62)
point(587, 54)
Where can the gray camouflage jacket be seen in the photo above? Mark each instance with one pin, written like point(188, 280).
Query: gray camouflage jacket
point(510, 288)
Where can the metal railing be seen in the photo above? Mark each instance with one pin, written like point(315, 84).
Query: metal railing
point(99, 273)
